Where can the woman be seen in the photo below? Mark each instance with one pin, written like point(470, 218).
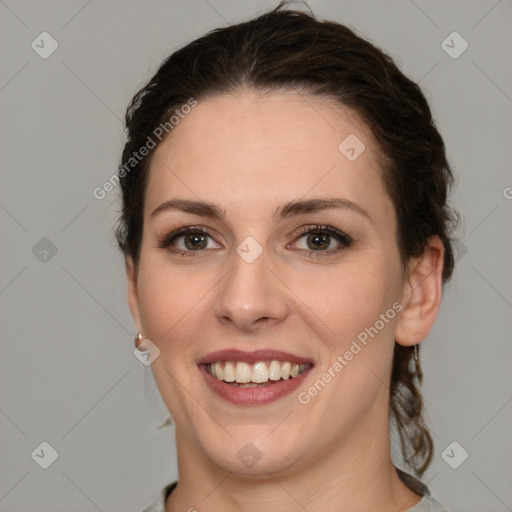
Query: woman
point(286, 236)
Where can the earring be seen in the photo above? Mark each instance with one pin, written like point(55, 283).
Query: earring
point(137, 341)
point(419, 373)
point(138, 338)
point(167, 422)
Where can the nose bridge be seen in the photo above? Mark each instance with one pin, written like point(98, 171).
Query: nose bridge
point(250, 296)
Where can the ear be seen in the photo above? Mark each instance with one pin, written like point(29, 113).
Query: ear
point(133, 299)
point(422, 294)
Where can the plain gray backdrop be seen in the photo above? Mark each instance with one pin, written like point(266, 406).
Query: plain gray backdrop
point(68, 374)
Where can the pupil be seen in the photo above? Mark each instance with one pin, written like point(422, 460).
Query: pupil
point(195, 241)
point(319, 241)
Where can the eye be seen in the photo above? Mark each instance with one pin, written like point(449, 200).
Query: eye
point(320, 240)
point(186, 241)
point(315, 240)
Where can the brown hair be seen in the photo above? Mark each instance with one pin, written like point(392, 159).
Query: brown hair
point(288, 49)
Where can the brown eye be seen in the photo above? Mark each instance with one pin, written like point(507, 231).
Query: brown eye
point(318, 241)
point(187, 241)
point(195, 241)
point(322, 240)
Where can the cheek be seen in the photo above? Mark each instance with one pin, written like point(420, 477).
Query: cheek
point(349, 299)
point(360, 305)
point(168, 301)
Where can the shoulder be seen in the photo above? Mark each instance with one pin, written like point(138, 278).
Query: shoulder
point(159, 504)
point(428, 503)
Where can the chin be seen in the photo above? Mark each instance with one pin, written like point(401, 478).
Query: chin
point(257, 468)
point(253, 456)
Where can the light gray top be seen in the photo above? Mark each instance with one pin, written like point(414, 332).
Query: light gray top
point(427, 504)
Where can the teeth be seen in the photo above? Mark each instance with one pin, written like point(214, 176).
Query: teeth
point(243, 373)
point(258, 373)
point(274, 371)
point(218, 371)
point(229, 372)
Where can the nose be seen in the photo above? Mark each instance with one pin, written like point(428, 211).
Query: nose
point(251, 296)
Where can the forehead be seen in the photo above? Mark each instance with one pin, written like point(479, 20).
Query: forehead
point(251, 148)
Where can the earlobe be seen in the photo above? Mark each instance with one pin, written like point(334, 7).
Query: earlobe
point(422, 294)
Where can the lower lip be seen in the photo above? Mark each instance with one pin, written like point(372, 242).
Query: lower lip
point(253, 395)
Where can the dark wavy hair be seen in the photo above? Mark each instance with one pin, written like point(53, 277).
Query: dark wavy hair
point(292, 50)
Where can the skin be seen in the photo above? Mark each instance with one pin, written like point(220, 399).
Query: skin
point(250, 153)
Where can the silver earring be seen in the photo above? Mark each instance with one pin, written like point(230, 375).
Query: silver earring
point(167, 422)
point(147, 375)
point(419, 373)
point(138, 339)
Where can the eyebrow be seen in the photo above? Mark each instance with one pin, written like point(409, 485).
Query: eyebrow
point(290, 209)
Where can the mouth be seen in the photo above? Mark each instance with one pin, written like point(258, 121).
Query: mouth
point(250, 378)
point(260, 374)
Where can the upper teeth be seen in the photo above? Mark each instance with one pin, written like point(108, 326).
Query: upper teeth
point(231, 371)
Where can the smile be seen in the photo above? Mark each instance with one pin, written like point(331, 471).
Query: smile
point(253, 378)
point(258, 374)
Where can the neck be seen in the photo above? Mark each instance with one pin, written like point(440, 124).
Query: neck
point(354, 476)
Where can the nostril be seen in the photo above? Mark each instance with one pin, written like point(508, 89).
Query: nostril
point(262, 322)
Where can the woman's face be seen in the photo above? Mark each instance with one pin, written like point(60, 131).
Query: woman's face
point(293, 254)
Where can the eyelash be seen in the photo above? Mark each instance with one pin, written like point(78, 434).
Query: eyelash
point(344, 240)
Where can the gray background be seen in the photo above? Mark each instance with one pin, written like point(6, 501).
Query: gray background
point(68, 374)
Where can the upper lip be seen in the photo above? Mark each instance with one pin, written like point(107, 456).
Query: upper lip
point(251, 357)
